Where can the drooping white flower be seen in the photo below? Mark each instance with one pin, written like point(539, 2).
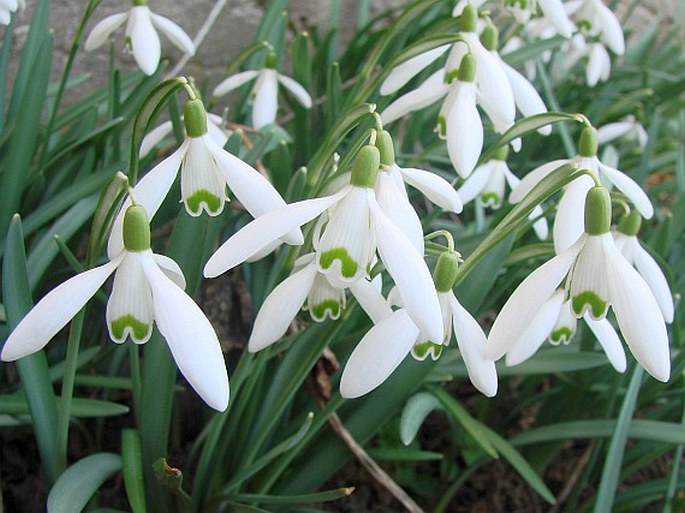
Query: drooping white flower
point(264, 94)
point(206, 169)
point(596, 276)
point(568, 224)
point(395, 335)
point(141, 35)
point(215, 129)
point(7, 7)
point(355, 230)
point(629, 245)
point(598, 21)
point(628, 127)
point(147, 288)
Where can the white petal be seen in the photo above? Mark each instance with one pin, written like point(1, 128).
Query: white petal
point(533, 178)
point(554, 11)
point(299, 92)
point(280, 308)
point(203, 187)
point(171, 269)
point(432, 89)
point(155, 136)
point(613, 131)
point(608, 339)
point(612, 34)
point(270, 248)
point(404, 72)
point(144, 39)
point(149, 192)
point(326, 299)
point(434, 187)
point(464, 130)
point(526, 97)
point(175, 34)
point(410, 274)
point(569, 222)
point(265, 103)
point(472, 342)
point(541, 325)
point(190, 336)
point(526, 301)
point(587, 283)
point(638, 315)
point(54, 311)
point(261, 232)
point(396, 206)
point(655, 279)
point(632, 190)
point(598, 66)
point(540, 226)
point(378, 354)
point(371, 300)
point(216, 130)
point(101, 32)
point(475, 183)
point(234, 81)
point(495, 94)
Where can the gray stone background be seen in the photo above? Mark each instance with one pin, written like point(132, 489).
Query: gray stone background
point(235, 27)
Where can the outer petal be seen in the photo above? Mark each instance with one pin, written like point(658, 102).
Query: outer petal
point(533, 178)
point(608, 339)
point(638, 315)
point(464, 130)
point(598, 66)
point(526, 301)
point(54, 311)
point(171, 269)
point(496, 96)
point(404, 72)
point(234, 82)
point(378, 354)
point(261, 232)
point(154, 136)
point(526, 97)
point(265, 103)
point(175, 33)
point(541, 325)
point(190, 336)
point(475, 183)
point(627, 186)
point(612, 34)
point(396, 206)
point(144, 39)
point(569, 222)
point(371, 300)
point(554, 11)
point(434, 187)
point(280, 308)
point(655, 279)
point(101, 32)
point(613, 131)
point(297, 90)
point(410, 274)
point(471, 341)
point(540, 226)
point(426, 94)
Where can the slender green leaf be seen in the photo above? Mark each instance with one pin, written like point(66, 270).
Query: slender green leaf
point(17, 405)
point(132, 463)
point(414, 413)
point(328, 495)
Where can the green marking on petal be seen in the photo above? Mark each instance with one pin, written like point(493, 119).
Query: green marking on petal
point(442, 126)
point(588, 300)
point(422, 350)
point(138, 329)
point(212, 203)
point(328, 307)
point(348, 266)
point(562, 335)
point(491, 199)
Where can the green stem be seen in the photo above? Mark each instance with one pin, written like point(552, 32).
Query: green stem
point(134, 362)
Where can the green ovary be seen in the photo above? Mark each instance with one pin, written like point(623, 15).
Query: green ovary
point(590, 300)
point(563, 334)
point(328, 307)
point(348, 266)
point(212, 203)
point(138, 329)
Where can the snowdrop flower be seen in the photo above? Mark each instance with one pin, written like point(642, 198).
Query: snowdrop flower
point(596, 20)
point(147, 288)
point(206, 169)
point(356, 228)
point(215, 129)
point(7, 7)
point(264, 94)
point(141, 35)
point(394, 335)
point(487, 183)
point(628, 127)
point(568, 225)
point(392, 197)
point(628, 244)
point(596, 276)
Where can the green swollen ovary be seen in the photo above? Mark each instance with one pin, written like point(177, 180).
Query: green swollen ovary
point(348, 266)
point(591, 301)
point(211, 201)
point(562, 335)
point(139, 330)
point(328, 307)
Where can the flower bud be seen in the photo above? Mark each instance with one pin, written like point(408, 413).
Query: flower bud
point(386, 147)
point(490, 37)
point(467, 68)
point(195, 118)
point(587, 147)
point(365, 167)
point(136, 229)
point(597, 211)
point(469, 19)
point(630, 223)
point(445, 273)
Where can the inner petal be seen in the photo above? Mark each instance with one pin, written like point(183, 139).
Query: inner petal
point(589, 285)
point(202, 186)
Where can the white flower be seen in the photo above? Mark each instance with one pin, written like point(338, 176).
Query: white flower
point(628, 127)
point(206, 169)
point(596, 276)
point(7, 7)
point(215, 129)
point(598, 65)
point(568, 225)
point(356, 228)
point(141, 35)
point(147, 287)
point(596, 20)
point(264, 94)
point(394, 335)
